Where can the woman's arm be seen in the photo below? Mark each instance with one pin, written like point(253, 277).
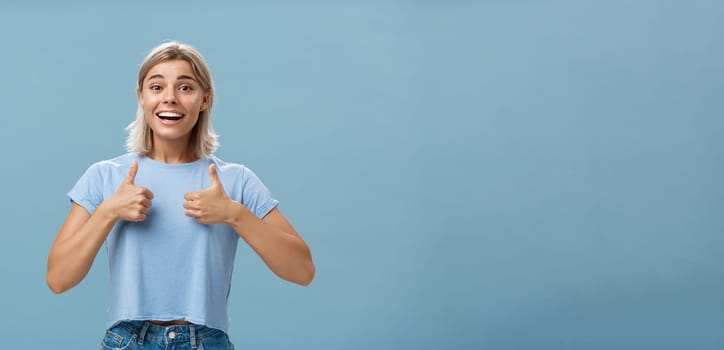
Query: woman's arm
point(75, 247)
point(82, 234)
point(277, 243)
point(275, 240)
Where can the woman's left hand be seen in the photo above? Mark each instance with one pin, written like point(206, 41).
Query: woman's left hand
point(210, 206)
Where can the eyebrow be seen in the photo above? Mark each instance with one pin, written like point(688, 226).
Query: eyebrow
point(180, 77)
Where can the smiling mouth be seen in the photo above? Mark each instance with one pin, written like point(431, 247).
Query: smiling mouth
point(169, 116)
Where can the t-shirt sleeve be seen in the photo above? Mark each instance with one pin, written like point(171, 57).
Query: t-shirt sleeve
point(255, 196)
point(88, 191)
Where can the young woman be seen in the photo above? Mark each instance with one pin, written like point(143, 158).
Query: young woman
point(170, 214)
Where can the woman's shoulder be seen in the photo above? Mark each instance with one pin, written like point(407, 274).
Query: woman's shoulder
point(225, 166)
point(119, 162)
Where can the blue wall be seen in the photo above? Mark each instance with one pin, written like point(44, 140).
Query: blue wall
point(469, 175)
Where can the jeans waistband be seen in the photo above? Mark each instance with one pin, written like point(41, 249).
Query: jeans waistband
point(149, 332)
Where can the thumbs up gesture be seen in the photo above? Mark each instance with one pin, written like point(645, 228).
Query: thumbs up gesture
point(210, 206)
point(131, 202)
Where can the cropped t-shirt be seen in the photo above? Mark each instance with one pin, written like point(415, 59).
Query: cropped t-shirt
point(169, 266)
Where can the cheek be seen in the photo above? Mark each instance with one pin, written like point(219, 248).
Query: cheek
point(148, 105)
point(147, 112)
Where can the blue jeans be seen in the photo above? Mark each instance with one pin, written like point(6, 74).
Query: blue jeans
point(147, 336)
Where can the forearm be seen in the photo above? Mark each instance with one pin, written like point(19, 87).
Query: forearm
point(69, 260)
point(286, 254)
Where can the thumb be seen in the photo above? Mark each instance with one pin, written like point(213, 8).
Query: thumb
point(132, 173)
point(213, 176)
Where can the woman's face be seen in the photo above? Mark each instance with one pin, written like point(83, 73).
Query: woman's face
point(172, 99)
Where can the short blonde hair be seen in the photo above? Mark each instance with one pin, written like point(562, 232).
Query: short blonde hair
point(203, 141)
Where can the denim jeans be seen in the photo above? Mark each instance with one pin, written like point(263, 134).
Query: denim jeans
point(147, 336)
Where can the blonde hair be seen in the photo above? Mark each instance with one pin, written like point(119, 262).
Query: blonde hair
point(203, 141)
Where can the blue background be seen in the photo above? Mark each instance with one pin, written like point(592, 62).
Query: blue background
point(468, 174)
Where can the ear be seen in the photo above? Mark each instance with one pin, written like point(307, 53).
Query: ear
point(139, 96)
point(205, 103)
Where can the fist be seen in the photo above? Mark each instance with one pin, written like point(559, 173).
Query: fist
point(210, 206)
point(131, 202)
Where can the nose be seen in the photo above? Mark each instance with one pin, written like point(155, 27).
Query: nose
point(169, 96)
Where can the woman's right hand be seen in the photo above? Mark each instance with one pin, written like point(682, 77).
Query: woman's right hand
point(82, 234)
point(130, 202)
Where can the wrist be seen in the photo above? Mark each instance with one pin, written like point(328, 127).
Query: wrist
point(106, 213)
point(237, 211)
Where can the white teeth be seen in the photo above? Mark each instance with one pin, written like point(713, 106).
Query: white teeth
point(170, 115)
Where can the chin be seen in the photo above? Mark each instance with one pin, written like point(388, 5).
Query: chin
point(170, 135)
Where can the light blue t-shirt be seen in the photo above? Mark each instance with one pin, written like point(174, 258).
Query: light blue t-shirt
point(169, 266)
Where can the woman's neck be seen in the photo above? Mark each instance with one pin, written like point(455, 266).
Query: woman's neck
point(172, 153)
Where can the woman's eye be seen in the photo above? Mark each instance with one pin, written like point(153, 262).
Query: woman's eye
point(155, 87)
point(185, 88)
